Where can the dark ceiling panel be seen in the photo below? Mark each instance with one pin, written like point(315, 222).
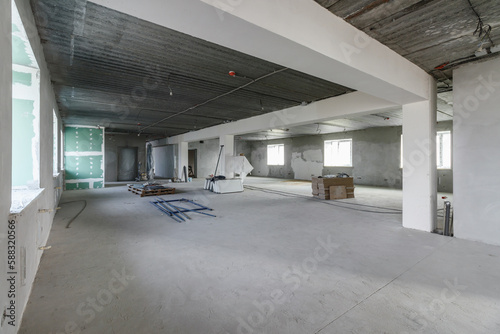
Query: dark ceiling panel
point(109, 66)
point(429, 33)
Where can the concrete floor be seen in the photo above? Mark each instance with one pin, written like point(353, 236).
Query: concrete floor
point(268, 263)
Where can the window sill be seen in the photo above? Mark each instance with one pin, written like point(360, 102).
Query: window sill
point(22, 198)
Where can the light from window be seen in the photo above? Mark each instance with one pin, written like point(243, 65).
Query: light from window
point(55, 142)
point(338, 153)
point(276, 155)
point(443, 150)
point(401, 151)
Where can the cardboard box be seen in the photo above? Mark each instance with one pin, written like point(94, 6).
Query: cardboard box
point(338, 192)
point(321, 186)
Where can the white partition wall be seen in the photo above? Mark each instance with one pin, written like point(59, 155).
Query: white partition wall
point(476, 152)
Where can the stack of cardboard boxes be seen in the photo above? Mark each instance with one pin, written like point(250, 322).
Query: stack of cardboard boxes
point(333, 187)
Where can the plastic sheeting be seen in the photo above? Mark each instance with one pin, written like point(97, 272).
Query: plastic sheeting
point(238, 165)
point(149, 162)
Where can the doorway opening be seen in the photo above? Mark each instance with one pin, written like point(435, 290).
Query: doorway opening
point(127, 163)
point(192, 163)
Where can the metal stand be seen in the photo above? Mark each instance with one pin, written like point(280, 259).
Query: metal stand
point(217, 166)
point(447, 215)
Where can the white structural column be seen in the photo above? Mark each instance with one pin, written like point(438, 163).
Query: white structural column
point(228, 150)
point(419, 163)
point(182, 158)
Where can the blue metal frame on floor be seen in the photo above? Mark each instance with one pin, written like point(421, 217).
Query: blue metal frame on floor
point(178, 213)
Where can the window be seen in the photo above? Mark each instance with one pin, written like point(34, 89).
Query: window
point(443, 150)
point(55, 135)
point(25, 109)
point(338, 153)
point(25, 180)
point(276, 154)
point(401, 157)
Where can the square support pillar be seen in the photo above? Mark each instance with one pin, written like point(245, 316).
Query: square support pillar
point(419, 163)
point(182, 158)
point(228, 150)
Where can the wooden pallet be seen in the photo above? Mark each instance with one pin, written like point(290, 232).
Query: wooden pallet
point(144, 191)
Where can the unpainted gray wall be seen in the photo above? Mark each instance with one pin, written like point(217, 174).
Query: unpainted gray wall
point(376, 157)
point(112, 143)
point(208, 152)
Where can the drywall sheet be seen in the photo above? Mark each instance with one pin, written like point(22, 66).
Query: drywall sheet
point(84, 139)
point(83, 158)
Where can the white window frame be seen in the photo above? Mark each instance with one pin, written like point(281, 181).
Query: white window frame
point(276, 155)
point(441, 164)
point(401, 152)
point(439, 137)
point(332, 148)
point(55, 144)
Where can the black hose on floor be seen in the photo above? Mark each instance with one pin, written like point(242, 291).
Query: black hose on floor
point(284, 193)
point(79, 212)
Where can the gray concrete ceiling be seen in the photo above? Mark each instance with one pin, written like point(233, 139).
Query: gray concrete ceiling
point(429, 33)
point(117, 71)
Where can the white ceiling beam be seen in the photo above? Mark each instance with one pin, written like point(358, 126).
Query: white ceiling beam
point(354, 103)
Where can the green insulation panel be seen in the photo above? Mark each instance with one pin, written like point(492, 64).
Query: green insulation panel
point(84, 167)
point(83, 140)
point(22, 137)
point(83, 158)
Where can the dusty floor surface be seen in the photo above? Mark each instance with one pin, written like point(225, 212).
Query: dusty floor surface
point(270, 262)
